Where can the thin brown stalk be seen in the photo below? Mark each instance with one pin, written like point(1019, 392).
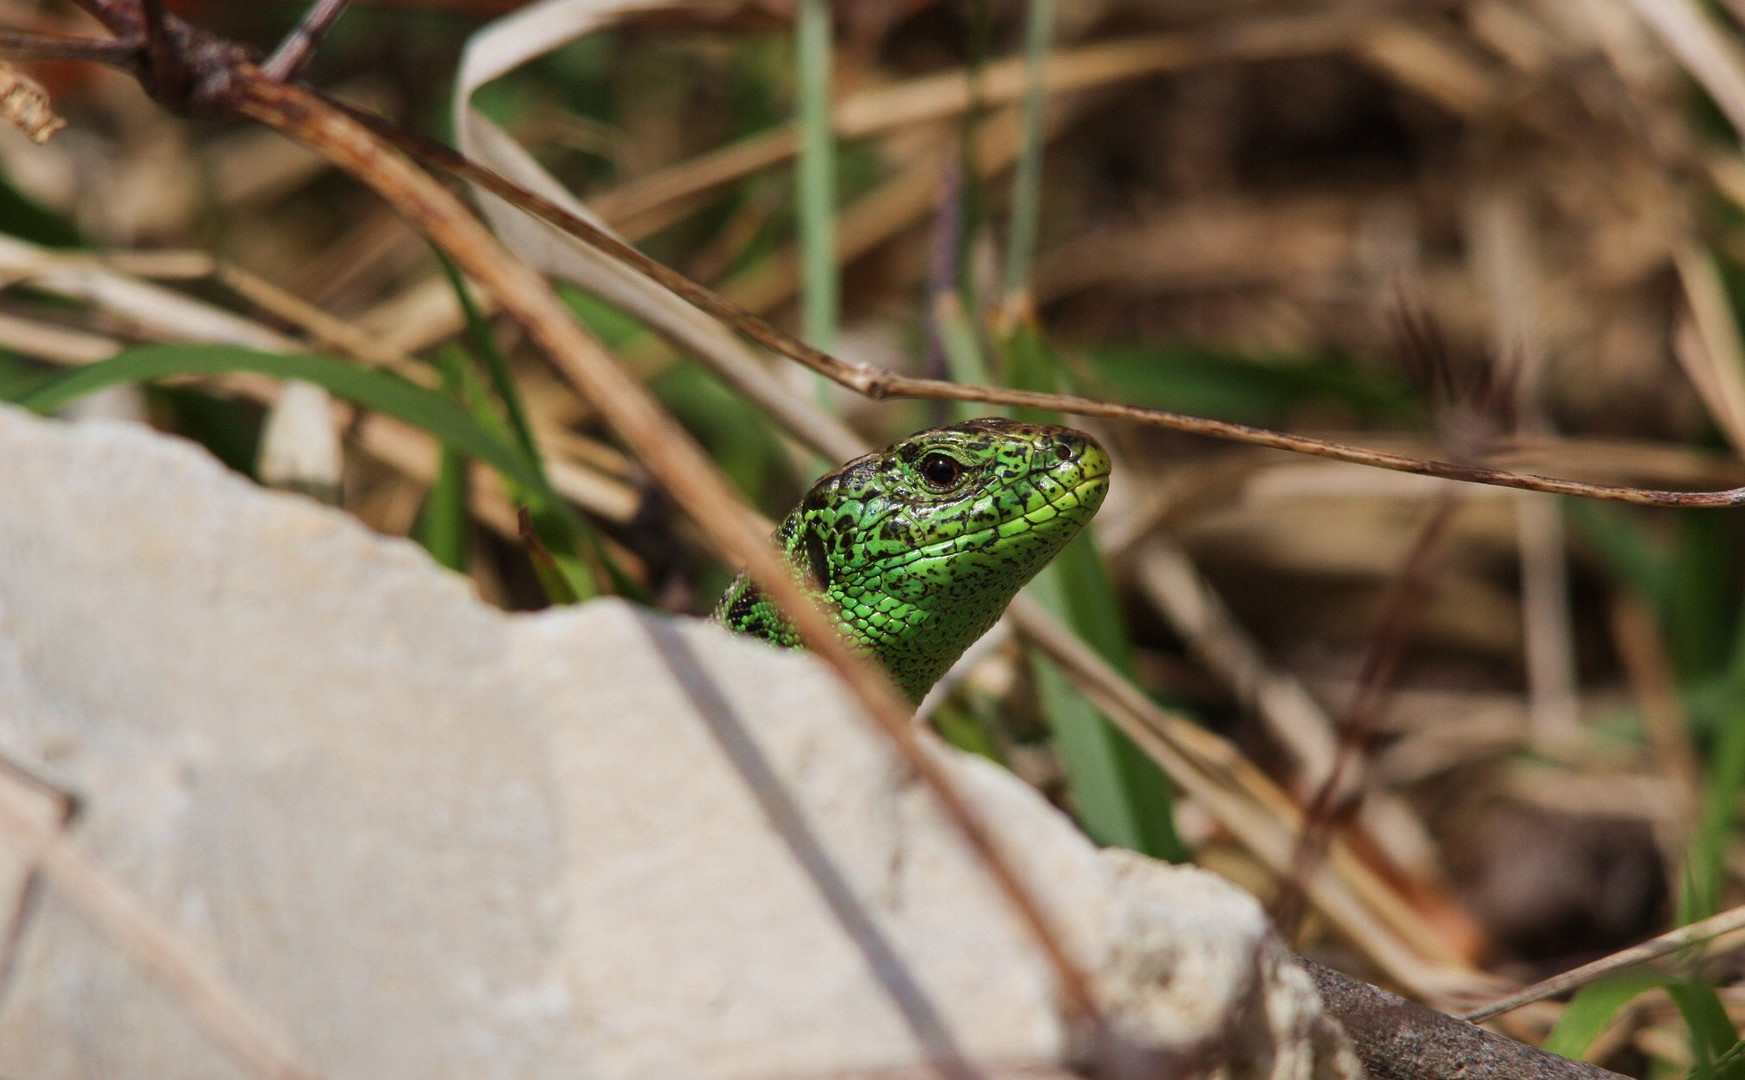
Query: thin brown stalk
point(216, 1003)
point(298, 48)
point(1387, 647)
point(689, 476)
point(1670, 942)
point(22, 46)
point(1636, 637)
point(877, 383)
point(168, 69)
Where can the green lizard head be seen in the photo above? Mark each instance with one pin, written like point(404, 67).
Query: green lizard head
point(919, 547)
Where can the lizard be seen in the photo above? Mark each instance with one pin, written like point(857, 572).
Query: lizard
point(917, 548)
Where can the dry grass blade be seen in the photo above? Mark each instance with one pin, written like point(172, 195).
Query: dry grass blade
point(939, 97)
point(227, 1016)
point(1710, 350)
point(1171, 581)
point(1710, 58)
point(1637, 637)
point(1508, 265)
point(690, 477)
point(1683, 938)
point(156, 310)
point(1430, 64)
point(319, 325)
point(1262, 818)
point(163, 314)
point(1552, 687)
point(878, 216)
point(54, 343)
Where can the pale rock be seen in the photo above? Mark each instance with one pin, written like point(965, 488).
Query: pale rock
point(431, 840)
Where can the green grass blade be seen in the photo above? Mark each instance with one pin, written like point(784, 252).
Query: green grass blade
point(1711, 1032)
point(373, 389)
point(1705, 863)
point(1700, 617)
point(1594, 1006)
point(964, 359)
point(1618, 539)
point(820, 298)
point(964, 727)
point(1119, 794)
point(1730, 1065)
point(485, 348)
point(1027, 178)
point(565, 556)
point(1090, 597)
point(443, 524)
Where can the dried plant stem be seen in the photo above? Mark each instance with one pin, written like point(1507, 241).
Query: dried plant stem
point(1672, 941)
point(689, 476)
point(168, 70)
point(22, 46)
point(877, 383)
point(112, 907)
point(1387, 647)
point(298, 48)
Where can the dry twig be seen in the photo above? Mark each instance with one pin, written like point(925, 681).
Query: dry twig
point(1670, 942)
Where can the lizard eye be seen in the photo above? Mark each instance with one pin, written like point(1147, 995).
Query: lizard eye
point(941, 472)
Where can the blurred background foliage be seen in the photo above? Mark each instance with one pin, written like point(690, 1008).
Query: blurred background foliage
point(1507, 231)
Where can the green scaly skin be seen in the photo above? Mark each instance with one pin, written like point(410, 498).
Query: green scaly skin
point(916, 557)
